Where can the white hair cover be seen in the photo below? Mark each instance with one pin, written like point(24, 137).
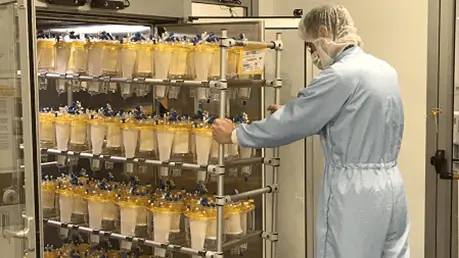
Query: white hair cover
point(339, 24)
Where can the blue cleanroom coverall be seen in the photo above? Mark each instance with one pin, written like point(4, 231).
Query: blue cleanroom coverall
point(355, 106)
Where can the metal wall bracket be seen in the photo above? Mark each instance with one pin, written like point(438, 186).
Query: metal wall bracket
point(166, 82)
point(270, 236)
point(94, 78)
point(278, 45)
point(277, 83)
point(222, 200)
point(106, 79)
point(176, 164)
point(223, 84)
point(216, 170)
point(274, 162)
point(141, 161)
point(140, 80)
point(227, 42)
point(178, 82)
point(214, 84)
point(274, 188)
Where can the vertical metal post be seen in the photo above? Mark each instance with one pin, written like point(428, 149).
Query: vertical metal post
point(69, 102)
point(263, 154)
point(221, 149)
point(276, 150)
point(263, 179)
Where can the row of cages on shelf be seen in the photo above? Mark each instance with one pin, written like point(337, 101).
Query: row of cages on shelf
point(163, 214)
point(67, 58)
point(165, 218)
point(136, 134)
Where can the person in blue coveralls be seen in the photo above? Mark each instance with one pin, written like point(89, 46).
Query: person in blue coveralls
point(355, 105)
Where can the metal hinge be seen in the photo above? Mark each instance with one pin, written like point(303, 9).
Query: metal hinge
point(274, 161)
point(270, 236)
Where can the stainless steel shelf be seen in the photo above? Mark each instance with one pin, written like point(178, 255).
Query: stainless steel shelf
point(173, 164)
point(167, 82)
point(138, 240)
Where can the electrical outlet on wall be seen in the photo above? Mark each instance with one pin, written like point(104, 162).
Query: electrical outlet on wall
point(110, 4)
point(297, 12)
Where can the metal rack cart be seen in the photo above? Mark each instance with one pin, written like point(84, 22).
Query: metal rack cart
point(30, 142)
point(218, 170)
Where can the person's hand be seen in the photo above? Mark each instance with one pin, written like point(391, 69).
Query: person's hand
point(221, 131)
point(273, 107)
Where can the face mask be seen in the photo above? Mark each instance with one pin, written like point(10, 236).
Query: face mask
point(321, 63)
point(325, 60)
point(316, 60)
point(320, 58)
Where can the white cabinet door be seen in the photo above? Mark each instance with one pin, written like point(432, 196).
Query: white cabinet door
point(20, 214)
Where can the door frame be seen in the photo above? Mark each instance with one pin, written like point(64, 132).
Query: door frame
point(441, 195)
point(32, 156)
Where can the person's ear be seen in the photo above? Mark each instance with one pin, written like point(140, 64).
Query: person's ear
point(323, 32)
